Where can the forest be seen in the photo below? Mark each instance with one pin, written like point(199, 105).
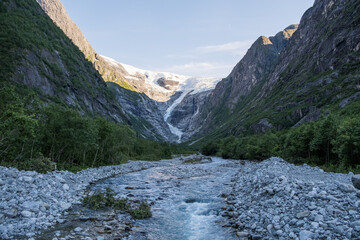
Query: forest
point(333, 142)
point(37, 137)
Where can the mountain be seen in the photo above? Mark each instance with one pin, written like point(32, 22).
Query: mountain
point(168, 91)
point(36, 57)
point(212, 108)
point(128, 77)
point(146, 95)
point(292, 78)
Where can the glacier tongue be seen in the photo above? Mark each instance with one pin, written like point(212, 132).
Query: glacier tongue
point(176, 131)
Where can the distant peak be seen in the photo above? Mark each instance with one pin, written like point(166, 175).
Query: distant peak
point(292, 27)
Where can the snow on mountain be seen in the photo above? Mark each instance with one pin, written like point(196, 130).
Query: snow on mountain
point(186, 83)
point(161, 84)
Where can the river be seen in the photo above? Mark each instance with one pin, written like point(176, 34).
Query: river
point(187, 199)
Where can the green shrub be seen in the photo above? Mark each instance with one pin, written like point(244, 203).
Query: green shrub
point(101, 200)
point(142, 212)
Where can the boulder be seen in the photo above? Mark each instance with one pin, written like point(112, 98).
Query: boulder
point(66, 187)
point(305, 235)
point(356, 181)
point(347, 188)
point(26, 214)
point(11, 213)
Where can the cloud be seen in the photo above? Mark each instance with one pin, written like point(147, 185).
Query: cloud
point(201, 68)
point(239, 47)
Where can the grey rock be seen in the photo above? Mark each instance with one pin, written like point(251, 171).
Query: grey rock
point(242, 234)
point(347, 188)
point(31, 205)
point(66, 187)
point(65, 206)
point(78, 229)
point(28, 179)
point(26, 214)
point(11, 213)
point(315, 225)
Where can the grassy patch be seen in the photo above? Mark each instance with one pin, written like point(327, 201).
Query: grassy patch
point(101, 200)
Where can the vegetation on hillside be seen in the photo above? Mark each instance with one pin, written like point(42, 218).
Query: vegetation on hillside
point(35, 138)
point(332, 142)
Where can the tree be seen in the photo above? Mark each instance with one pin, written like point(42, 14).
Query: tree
point(347, 143)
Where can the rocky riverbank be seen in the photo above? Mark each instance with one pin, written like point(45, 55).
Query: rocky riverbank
point(30, 202)
point(278, 200)
point(268, 200)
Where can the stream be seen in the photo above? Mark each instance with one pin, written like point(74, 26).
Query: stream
point(186, 200)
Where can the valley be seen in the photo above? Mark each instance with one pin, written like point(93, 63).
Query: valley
point(93, 148)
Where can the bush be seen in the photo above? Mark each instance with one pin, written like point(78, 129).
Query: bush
point(331, 142)
point(101, 200)
point(142, 212)
point(210, 149)
point(40, 164)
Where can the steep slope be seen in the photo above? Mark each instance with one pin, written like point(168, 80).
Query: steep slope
point(316, 73)
point(56, 11)
point(38, 58)
point(168, 91)
point(160, 86)
point(37, 54)
point(248, 74)
point(144, 113)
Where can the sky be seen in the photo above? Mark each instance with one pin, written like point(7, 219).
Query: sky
point(189, 37)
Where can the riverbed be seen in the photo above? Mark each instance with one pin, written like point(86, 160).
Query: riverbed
point(186, 200)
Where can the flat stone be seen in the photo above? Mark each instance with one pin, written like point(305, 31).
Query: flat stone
point(78, 229)
point(66, 187)
point(242, 234)
point(315, 225)
point(303, 214)
point(31, 205)
point(28, 179)
point(26, 214)
point(347, 188)
point(11, 213)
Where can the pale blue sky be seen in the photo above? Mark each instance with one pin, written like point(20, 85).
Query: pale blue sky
point(190, 37)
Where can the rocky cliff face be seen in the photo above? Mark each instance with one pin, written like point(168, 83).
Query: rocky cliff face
point(187, 110)
point(56, 11)
point(259, 61)
point(145, 113)
point(248, 74)
point(291, 78)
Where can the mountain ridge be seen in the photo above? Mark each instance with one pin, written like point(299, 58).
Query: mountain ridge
point(315, 72)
